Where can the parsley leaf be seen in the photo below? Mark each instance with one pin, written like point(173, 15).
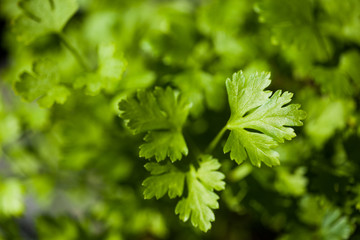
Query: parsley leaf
point(161, 114)
point(166, 178)
point(253, 108)
point(171, 143)
point(111, 66)
point(42, 84)
point(42, 17)
point(201, 198)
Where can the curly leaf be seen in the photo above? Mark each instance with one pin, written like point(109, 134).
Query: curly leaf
point(161, 114)
point(164, 179)
point(201, 198)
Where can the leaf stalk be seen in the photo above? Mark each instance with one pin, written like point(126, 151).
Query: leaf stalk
point(216, 140)
point(74, 52)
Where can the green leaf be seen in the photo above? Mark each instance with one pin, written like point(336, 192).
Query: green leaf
point(41, 17)
point(209, 175)
point(258, 147)
point(201, 198)
point(111, 66)
point(171, 143)
point(258, 122)
point(165, 179)
point(161, 114)
point(42, 84)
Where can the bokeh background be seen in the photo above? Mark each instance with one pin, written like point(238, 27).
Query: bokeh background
point(69, 168)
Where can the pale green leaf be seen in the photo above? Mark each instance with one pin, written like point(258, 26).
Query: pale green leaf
point(164, 179)
point(272, 118)
point(209, 175)
point(246, 92)
point(258, 122)
point(258, 147)
point(41, 17)
point(201, 199)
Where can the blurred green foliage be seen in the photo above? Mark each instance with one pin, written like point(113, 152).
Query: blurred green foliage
point(70, 169)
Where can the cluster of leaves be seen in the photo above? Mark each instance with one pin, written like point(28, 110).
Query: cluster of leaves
point(162, 115)
point(70, 167)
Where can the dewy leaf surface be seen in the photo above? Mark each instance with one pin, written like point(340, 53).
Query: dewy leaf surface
point(161, 114)
point(252, 108)
point(201, 199)
point(41, 17)
point(42, 85)
point(164, 179)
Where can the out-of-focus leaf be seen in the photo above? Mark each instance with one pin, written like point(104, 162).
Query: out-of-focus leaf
point(43, 17)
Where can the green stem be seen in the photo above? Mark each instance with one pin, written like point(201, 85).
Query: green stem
point(216, 140)
point(74, 52)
